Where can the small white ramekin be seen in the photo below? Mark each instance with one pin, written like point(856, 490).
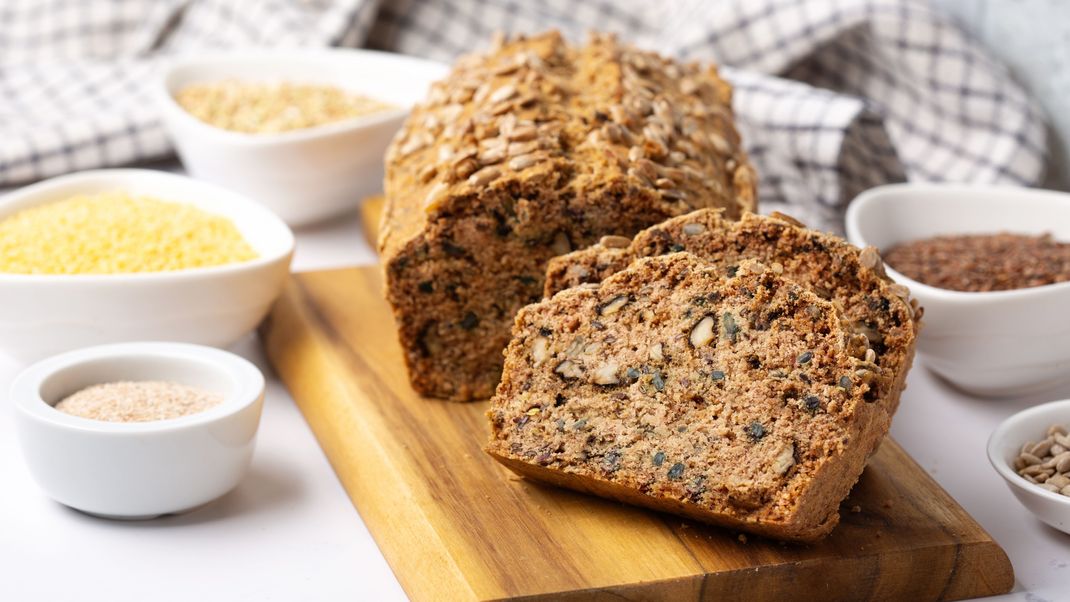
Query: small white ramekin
point(41, 315)
point(1006, 442)
point(1002, 343)
point(304, 175)
point(138, 470)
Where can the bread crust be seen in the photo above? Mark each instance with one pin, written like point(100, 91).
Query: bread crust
point(631, 496)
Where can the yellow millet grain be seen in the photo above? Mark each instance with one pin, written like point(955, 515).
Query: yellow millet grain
point(113, 232)
point(263, 108)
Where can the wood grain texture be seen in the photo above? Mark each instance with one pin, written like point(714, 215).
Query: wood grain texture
point(371, 210)
point(455, 525)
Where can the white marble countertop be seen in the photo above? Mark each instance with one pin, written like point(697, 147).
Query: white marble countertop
point(288, 532)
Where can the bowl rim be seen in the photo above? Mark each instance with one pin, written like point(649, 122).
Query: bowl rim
point(166, 100)
point(25, 389)
point(879, 194)
point(219, 194)
point(999, 436)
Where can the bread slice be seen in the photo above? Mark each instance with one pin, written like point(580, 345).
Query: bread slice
point(739, 401)
point(532, 150)
point(852, 278)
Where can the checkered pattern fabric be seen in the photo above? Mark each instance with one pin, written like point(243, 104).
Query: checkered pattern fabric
point(832, 96)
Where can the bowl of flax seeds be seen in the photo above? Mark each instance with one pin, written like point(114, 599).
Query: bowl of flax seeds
point(991, 267)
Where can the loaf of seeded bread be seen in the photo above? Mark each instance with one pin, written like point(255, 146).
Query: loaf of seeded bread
point(852, 278)
point(530, 151)
point(738, 401)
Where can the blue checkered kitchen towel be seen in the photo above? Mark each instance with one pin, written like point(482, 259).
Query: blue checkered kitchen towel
point(832, 96)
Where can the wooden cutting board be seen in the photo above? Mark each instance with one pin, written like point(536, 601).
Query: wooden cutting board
point(455, 525)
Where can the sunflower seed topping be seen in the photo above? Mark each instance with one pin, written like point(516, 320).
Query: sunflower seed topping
point(613, 305)
point(869, 258)
point(615, 242)
point(501, 94)
point(523, 161)
point(484, 176)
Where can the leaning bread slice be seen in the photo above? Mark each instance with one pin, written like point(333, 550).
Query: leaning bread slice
point(735, 401)
point(852, 278)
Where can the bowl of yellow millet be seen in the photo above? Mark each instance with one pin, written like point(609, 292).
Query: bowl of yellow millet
point(123, 255)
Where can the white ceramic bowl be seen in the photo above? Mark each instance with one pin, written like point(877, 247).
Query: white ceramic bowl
point(303, 175)
point(1005, 444)
point(45, 314)
point(995, 343)
point(141, 469)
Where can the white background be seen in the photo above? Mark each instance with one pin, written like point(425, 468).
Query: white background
point(288, 532)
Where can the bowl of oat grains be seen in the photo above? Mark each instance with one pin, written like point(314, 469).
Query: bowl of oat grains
point(137, 430)
point(991, 268)
point(302, 131)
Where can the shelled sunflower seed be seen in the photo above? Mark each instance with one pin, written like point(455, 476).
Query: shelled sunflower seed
point(1046, 463)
